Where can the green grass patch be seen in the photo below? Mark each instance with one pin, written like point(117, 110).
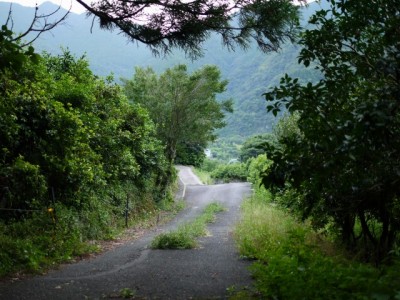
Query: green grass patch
point(185, 236)
point(204, 176)
point(36, 243)
point(293, 262)
point(39, 242)
point(127, 293)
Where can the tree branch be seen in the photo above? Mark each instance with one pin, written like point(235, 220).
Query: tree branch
point(166, 24)
point(36, 26)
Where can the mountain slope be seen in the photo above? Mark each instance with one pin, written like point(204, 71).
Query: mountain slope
point(250, 73)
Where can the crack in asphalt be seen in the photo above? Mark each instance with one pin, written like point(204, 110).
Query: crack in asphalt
point(142, 257)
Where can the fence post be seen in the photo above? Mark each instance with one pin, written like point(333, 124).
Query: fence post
point(54, 206)
point(126, 210)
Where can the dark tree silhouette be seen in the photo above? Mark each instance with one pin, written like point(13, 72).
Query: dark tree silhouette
point(167, 24)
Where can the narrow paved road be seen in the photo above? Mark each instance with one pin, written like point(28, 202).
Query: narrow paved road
point(202, 273)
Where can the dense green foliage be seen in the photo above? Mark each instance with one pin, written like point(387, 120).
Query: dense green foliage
point(213, 171)
point(257, 166)
point(230, 172)
point(73, 152)
point(256, 145)
point(343, 159)
point(293, 262)
point(226, 149)
point(248, 71)
point(183, 106)
point(189, 154)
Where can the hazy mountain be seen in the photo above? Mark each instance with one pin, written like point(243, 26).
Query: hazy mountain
point(250, 73)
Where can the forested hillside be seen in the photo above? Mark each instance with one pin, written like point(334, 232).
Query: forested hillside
point(250, 73)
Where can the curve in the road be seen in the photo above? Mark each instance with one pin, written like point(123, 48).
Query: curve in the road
point(186, 177)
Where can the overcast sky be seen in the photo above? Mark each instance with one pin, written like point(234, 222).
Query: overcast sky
point(77, 8)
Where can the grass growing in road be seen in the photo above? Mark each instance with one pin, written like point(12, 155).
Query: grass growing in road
point(204, 176)
point(292, 262)
point(185, 236)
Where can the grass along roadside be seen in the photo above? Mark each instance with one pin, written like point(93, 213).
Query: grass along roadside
point(204, 176)
point(32, 246)
point(165, 213)
point(185, 236)
point(292, 262)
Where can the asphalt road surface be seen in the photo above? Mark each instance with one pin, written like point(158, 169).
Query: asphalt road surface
point(202, 273)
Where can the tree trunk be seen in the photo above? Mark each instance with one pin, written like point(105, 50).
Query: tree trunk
point(365, 229)
point(348, 231)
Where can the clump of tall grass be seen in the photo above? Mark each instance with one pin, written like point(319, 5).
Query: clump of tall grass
point(290, 262)
point(185, 236)
point(204, 176)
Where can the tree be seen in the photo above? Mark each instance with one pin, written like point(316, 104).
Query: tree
point(190, 154)
point(41, 22)
point(256, 145)
point(67, 133)
point(12, 54)
point(167, 24)
point(74, 155)
point(183, 106)
point(346, 161)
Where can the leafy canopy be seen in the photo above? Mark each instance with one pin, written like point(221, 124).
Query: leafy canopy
point(65, 133)
point(183, 106)
point(344, 157)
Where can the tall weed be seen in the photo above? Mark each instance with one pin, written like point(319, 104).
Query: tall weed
point(185, 236)
point(290, 263)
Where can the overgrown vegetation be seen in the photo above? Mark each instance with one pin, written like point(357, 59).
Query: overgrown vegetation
point(295, 262)
point(213, 171)
point(230, 172)
point(225, 149)
point(75, 158)
point(185, 236)
point(340, 158)
point(204, 176)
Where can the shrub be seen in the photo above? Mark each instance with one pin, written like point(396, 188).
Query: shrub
point(257, 166)
point(230, 172)
point(292, 261)
point(210, 165)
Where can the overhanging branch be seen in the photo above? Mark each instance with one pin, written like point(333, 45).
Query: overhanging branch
point(40, 23)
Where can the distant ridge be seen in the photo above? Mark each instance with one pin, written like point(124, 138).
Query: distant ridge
point(249, 73)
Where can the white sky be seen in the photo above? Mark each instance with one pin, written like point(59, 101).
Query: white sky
point(76, 8)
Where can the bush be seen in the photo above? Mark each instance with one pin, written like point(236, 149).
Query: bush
point(230, 172)
point(257, 166)
point(70, 141)
point(292, 261)
point(210, 165)
point(36, 242)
